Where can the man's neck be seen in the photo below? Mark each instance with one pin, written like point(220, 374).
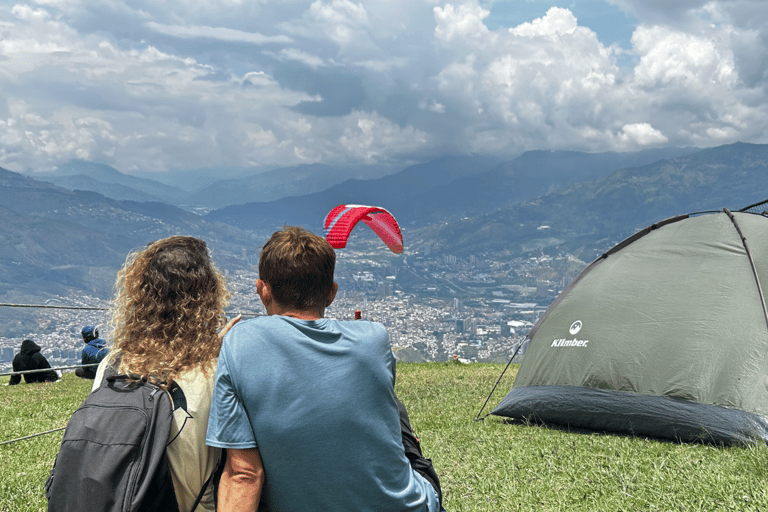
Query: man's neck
point(277, 309)
point(301, 315)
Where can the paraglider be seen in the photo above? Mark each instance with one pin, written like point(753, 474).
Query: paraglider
point(341, 220)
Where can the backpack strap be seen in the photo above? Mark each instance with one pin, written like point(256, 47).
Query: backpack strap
point(202, 491)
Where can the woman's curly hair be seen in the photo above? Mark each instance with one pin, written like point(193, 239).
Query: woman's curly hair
point(168, 308)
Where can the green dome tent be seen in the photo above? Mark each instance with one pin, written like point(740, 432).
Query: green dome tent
point(665, 335)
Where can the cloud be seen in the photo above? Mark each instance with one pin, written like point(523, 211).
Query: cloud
point(372, 138)
point(557, 22)
point(661, 11)
point(640, 134)
point(667, 56)
point(537, 81)
point(220, 33)
point(153, 85)
point(26, 12)
point(464, 23)
point(432, 106)
point(693, 83)
point(257, 79)
point(295, 54)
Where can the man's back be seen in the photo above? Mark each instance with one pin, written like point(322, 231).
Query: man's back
point(318, 395)
point(93, 353)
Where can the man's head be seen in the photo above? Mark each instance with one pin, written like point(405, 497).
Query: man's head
point(89, 333)
point(298, 267)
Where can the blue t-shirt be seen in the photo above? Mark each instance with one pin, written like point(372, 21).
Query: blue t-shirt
point(317, 398)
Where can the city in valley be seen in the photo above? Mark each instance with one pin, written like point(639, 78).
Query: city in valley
point(435, 307)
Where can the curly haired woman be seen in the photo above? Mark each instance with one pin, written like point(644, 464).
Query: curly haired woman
point(167, 324)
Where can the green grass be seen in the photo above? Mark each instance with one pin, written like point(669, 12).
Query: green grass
point(487, 465)
point(28, 409)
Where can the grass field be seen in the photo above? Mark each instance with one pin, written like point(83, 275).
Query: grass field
point(486, 465)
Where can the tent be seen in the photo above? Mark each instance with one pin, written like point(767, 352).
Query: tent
point(665, 335)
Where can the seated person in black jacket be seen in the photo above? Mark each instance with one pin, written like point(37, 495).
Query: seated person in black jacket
point(30, 358)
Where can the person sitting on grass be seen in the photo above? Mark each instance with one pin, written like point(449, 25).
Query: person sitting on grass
point(94, 351)
point(167, 322)
point(30, 358)
point(306, 405)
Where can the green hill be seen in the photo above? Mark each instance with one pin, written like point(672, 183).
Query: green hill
point(487, 465)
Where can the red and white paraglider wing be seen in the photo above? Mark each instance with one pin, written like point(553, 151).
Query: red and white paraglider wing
point(341, 220)
point(385, 225)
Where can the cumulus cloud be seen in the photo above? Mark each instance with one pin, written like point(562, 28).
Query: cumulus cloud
point(373, 137)
point(642, 134)
point(538, 81)
point(170, 85)
point(668, 56)
point(464, 23)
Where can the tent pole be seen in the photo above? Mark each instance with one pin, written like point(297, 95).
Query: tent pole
point(751, 263)
point(478, 418)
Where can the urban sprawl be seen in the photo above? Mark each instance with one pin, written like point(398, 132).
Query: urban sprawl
point(435, 307)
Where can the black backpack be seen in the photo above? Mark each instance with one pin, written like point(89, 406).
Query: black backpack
point(112, 456)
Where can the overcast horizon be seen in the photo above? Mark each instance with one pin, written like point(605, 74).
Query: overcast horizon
point(164, 86)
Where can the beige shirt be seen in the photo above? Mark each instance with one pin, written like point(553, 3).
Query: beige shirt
point(190, 460)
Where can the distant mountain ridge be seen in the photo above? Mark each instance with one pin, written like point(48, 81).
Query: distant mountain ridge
point(279, 183)
point(215, 192)
point(542, 202)
point(55, 239)
point(445, 188)
point(407, 194)
point(108, 181)
point(594, 215)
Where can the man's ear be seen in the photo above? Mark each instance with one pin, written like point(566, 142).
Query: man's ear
point(332, 295)
point(264, 291)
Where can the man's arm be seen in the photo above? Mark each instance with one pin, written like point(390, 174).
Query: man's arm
point(241, 481)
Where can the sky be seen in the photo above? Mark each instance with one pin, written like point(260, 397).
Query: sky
point(168, 85)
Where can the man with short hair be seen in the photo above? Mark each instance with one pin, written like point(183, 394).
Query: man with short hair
point(306, 404)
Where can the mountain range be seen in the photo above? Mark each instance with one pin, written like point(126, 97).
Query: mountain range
point(56, 239)
point(542, 201)
point(204, 189)
point(443, 189)
point(589, 217)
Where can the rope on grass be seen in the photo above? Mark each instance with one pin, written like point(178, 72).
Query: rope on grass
point(48, 306)
point(30, 436)
point(41, 370)
point(82, 308)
